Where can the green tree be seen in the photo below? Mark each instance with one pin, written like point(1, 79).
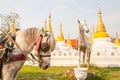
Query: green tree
point(6, 21)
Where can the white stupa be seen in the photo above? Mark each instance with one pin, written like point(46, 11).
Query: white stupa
point(104, 52)
point(61, 45)
point(63, 53)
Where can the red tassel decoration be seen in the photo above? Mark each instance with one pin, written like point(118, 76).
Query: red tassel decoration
point(38, 43)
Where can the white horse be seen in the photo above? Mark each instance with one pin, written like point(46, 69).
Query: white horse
point(44, 43)
point(84, 44)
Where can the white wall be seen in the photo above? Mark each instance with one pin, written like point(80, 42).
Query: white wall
point(64, 59)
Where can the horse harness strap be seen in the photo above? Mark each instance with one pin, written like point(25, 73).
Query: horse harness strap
point(40, 57)
point(12, 57)
point(17, 57)
point(45, 55)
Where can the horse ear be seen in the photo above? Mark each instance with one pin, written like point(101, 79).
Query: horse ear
point(42, 30)
point(78, 21)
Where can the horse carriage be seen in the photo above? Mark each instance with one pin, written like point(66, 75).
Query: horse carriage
point(15, 48)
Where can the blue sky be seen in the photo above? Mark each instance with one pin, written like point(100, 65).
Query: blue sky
point(34, 12)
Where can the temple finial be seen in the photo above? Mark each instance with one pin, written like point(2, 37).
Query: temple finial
point(68, 41)
point(92, 35)
point(100, 25)
point(100, 30)
point(13, 26)
point(60, 35)
point(49, 28)
point(117, 42)
point(45, 28)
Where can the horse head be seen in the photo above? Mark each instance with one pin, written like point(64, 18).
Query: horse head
point(42, 49)
point(83, 26)
point(39, 41)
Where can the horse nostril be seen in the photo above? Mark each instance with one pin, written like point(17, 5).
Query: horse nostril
point(87, 31)
point(46, 66)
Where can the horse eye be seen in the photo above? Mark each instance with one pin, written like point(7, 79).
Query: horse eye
point(45, 47)
point(46, 34)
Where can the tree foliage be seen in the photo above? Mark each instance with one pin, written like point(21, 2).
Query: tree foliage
point(6, 21)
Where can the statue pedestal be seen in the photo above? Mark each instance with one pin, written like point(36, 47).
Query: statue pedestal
point(80, 73)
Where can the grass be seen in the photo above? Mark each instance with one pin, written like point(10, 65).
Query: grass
point(59, 73)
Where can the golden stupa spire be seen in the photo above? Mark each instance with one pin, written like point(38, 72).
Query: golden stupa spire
point(13, 26)
point(100, 30)
point(45, 28)
point(60, 35)
point(49, 28)
point(68, 41)
point(117, 42)
point(100, 25)
point(92, 35)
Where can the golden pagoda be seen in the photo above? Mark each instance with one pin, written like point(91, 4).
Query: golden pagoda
point(13, 26)
point(45, 28)
point(69, 41)
point(60, 35)
point(117, 42)
point(92, 35)
point(100, 31)
point(49, 28)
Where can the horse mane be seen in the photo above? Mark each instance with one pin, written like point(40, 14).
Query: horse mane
point(30, 33)
point(27, 38)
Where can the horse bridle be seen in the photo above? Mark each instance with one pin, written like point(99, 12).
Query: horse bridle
point(43, 47)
